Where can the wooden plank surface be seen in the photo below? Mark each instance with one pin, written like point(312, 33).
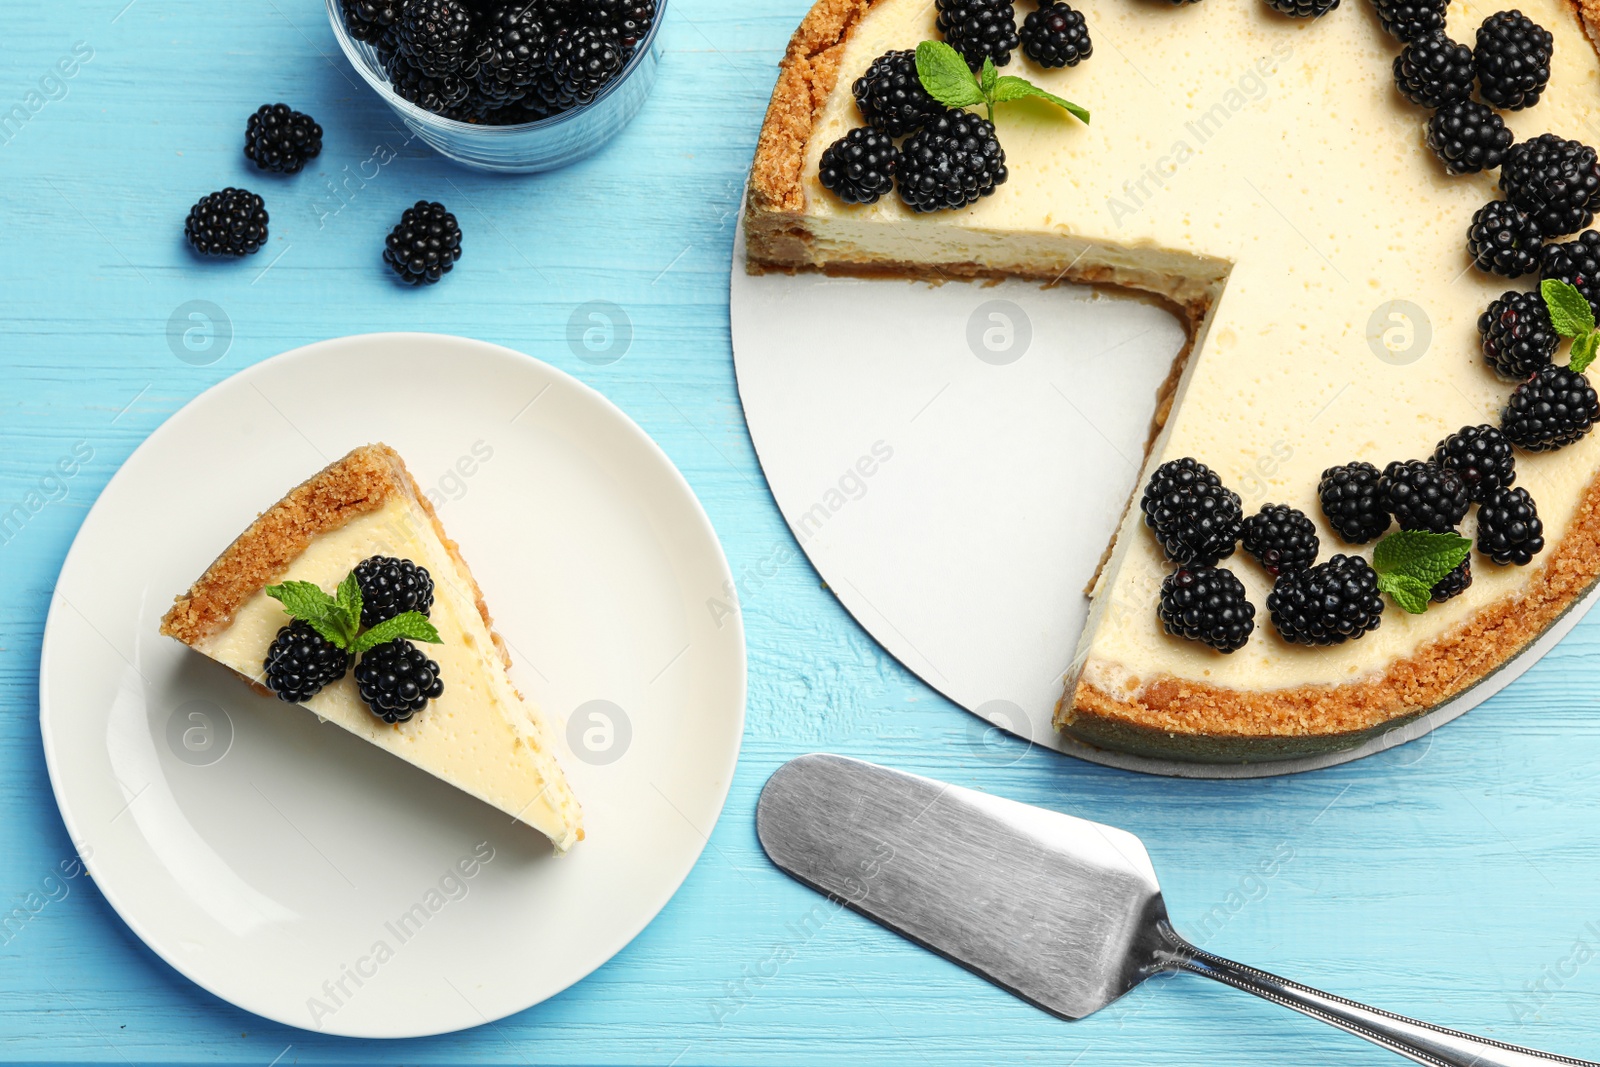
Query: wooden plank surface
point(1453, 879)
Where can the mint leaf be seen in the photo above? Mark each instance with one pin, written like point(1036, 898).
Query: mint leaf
point(1570, 313)
point(309, 604)
point(348, 596)
point(986, 78)
point(946, 75)
point(1583, 351)
point(1012, 87)
point(1411, 594)
point(409, 624)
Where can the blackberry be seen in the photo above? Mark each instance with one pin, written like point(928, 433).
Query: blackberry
point(280, 139)
point(1421, 495)
point(391, 586)
point(1481, 456)
point(1516, 332)
point(1057, 36)
point(1509, 530)
point(438, 95)
point(1351, 503)
point(891, 98)
point(1512, 59)
point(1453, 584)
point(582, 60)
point(435, 35)
point(1195, 517)
point(556, 15)
point(859, 167)
point(425, 245)
point(1433, 70)
point(1303, 9)
point(1576, 262)
point(1326, 604)
point(301, 661)
point(950, 163)
point(1282, 538)
point(1557, 182)
point(629, 19)
point(1407, 20)
point(512, 54)
point(370, 20)
point(232, 222)
point(396, 680)
point(979, 29)
point(1468, 137)
point(1550, 410)
point(1504, 240)
point(1207, 604)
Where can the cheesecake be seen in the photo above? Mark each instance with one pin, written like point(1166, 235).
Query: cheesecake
point(478, 733)
point(1262, 175)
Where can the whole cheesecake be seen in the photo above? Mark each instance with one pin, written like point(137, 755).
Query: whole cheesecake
point(1263, 174)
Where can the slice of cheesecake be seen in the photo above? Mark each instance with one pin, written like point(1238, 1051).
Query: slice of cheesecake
point(479, 735)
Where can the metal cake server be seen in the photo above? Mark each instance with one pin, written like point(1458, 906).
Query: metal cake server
point(1062, 912)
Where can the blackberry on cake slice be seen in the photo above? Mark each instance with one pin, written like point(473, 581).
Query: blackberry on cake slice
point(396, 680)
point(1468, 137)
point(1422, 495)
point(1327, 604)
point(1516, 333)
point(1509, 530)
point(1555, 181)
point(1057, 35)
point(859, 167)
point(1504, 240)
point(390, 587)
point(1281, 538)
point(979, 29)
point(1576, 262)
point(1512, 60)
point(1482, 458)
point(950, 163)
point(1303, 9)
point(1351, 502)
point(1207, 604)
point(1552, 409)
point(1407, 20)
point(1196, 519)
point(300, 662)
point(1453, 584)
point(891, 97)
point(1433, 70)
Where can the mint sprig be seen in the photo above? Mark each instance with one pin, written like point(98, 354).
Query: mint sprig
point(1411, 562)
point(338, 618)
point(947, 78)
point(1572, 317)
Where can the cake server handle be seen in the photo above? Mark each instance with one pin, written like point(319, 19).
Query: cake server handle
point(1418, 1041)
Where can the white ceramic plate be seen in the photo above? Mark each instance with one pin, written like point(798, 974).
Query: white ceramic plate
point(954, 459)
point(295, 870)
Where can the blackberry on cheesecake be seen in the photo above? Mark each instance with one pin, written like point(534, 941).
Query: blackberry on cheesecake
point(1207, 604)
point(1194, 516)
point(1517, 336)
point(1327, 604)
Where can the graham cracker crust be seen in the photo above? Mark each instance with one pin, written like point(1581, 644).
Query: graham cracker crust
point(1168, 718)
point(362, 481)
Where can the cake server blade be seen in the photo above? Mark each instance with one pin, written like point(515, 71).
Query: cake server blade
point(1063, 912)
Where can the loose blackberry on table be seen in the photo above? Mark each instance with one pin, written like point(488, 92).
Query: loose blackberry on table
point(1281, 538)
point(1517, 335)
point(1327, 604)
point(1576, 262)
point(390, 586)
point(1056, 35)
point(891, 97)
point(1351, 502)
point(859, 167)
point(1422, 495)
point(435, 35)
point(950, 163)
point(281, 139)
point(1504, 240)
point(425, 245)
point(230, 222)
point(979, 29)
point(1196, 519)
point(1407, 20)
point(1554, 180)
point(1433, 70)
point(582, 61)
point(1512, 60)
point(1552, 409)
point(1207, 604)
point(1482, 458)
point(1453, 584)
point(1468, 137)
point(300, 662)
point(396, 680)
point(1509, 530)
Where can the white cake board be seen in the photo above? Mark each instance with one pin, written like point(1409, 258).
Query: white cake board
point(954, 459)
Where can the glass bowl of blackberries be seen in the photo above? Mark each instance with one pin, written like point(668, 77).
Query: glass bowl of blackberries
point(508, 85)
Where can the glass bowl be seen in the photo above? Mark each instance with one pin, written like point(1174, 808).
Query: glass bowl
point(529, 146)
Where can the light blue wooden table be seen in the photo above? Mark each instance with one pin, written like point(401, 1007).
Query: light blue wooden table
point(1454, 879)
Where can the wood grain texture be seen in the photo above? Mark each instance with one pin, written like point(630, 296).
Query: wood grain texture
point(1452, 879)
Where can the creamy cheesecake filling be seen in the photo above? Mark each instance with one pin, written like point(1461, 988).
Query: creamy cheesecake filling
point(1266, 167)
point(480, 735)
